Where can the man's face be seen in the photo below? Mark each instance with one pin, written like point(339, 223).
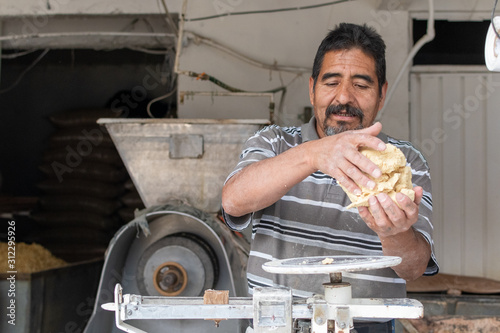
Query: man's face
point(346, 96)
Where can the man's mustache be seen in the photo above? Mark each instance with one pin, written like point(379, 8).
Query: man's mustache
point(344, 109)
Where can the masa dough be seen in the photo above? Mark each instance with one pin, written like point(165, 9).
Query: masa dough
point(396, 176)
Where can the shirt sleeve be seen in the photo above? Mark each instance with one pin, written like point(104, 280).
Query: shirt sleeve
point(263, 144)
point(421, 177)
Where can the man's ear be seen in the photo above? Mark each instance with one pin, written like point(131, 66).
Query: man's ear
point(383, 95)
point(311, 90)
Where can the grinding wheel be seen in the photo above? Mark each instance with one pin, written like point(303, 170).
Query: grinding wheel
point(203, 237)
point(177, 265)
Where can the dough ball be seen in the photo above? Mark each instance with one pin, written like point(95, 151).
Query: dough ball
point(396, 176)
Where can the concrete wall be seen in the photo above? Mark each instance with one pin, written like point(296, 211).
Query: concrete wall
point(286, 39)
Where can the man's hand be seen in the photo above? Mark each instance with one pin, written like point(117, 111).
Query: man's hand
point(393, 225)
point(386, 218)
point(339, 157)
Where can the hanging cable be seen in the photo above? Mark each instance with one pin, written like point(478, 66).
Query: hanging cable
point(267, 11)
point(18, 54)
point(147, 51)
point(33, 64)
point(169, 18)
point(204, 76)
point(493, 21)
point(209, 42)
point(167, 95)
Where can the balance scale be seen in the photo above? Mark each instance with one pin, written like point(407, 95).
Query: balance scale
point(273, 309)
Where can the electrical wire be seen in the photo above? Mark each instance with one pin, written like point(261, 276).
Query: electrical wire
point(167, 95)
point(203, 76)
point(170, 20)
point(18, 54)
point(429, 36)
point(207, 77)
point(209, 42)
point(33, 64)
point(493, 21)
point(147, 51)
point(266, 11)
point(173, 82)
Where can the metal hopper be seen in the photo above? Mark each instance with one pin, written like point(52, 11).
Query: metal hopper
point(186, 159)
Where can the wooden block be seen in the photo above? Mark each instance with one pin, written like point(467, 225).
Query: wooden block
point(216, 297)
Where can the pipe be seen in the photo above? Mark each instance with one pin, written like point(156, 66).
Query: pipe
point(227, 93)
point(183, 94)
point(429, 36)
point(179, 40)
point(84, 34)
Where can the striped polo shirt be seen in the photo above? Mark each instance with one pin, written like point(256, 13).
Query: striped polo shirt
point(312, 220)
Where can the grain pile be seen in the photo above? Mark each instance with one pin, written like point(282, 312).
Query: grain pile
point(30, 258)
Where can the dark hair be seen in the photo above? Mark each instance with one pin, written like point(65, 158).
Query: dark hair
point(348, 36)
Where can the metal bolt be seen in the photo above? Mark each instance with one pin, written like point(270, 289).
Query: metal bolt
point(129, 312)
point(335, 277)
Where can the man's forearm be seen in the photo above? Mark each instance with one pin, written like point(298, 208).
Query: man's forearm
point(262, 183)
point(414, 250)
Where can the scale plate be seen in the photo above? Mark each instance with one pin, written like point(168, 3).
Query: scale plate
point(322, 265)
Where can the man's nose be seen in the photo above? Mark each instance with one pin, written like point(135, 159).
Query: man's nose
point(344, 94)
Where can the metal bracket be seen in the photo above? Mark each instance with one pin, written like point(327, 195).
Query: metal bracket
point(272, 310)
point(343, 321)
point(186, 146)
point(319, 321)
point(118, 306)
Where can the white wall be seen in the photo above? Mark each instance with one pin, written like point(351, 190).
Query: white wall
point(288, 39)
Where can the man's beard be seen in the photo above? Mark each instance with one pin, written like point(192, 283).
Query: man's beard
point(341, 125)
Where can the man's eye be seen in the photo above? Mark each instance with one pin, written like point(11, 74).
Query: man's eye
point(361, 86)
point(331, 84)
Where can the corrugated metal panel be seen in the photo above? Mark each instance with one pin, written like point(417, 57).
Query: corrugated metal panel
point(454, 120)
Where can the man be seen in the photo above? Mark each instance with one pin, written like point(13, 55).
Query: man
point(287, 181)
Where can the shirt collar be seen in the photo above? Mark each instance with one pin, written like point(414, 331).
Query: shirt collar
point(309, 130)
